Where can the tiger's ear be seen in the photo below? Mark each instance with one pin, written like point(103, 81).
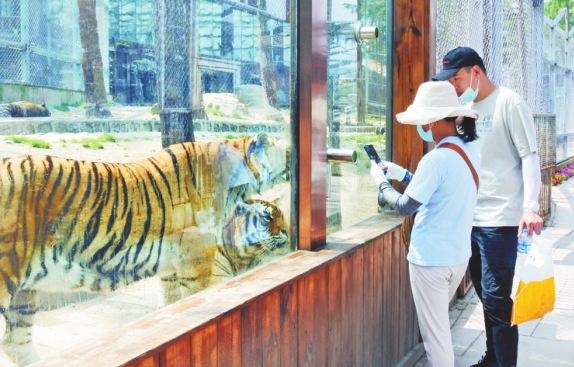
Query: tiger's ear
point(43, 104)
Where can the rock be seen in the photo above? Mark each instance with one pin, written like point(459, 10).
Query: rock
point(258, 106)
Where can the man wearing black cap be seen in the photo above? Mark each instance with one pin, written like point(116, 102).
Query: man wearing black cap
point(507, 199)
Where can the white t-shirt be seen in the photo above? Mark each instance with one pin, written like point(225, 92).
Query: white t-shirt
point(443, 183)
point(506, 132)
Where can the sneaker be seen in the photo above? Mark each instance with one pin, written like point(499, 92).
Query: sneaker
point(485, 362)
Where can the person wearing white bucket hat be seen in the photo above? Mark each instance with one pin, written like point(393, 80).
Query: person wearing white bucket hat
point(443, 193)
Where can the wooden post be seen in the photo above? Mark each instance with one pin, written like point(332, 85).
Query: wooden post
point(312, 110)
point(413, 64)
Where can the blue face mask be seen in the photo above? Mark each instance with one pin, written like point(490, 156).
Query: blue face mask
point(425, 135)
point(469, 94)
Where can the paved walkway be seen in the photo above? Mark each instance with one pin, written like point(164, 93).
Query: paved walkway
point(546, 342)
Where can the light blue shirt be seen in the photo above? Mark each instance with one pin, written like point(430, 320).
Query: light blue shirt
point(443, 183)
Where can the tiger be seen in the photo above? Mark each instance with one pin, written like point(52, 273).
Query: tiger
point(24, 109)
point(94, 226)
point(243, 249)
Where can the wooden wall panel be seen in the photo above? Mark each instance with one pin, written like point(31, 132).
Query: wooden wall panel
point(251, 352)
point(347, 312)
point(368, 312)
point(177, 354)
point(357, 302)
point(312, 316)
point(289, 326)
point(152, 361)
point(403, 297)
point(270, 329)
point(396, 303)
point(204, 347)
point(229, 341)
point(335, 351)
point(379, 346)
point(321, 322)
point(387, 297)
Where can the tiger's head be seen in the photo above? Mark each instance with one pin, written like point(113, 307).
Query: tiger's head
point(257, 227)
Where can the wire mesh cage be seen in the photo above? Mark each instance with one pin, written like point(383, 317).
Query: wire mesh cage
point(524, 51)
point(507, 34)
point(39, 43)
point(545, 124)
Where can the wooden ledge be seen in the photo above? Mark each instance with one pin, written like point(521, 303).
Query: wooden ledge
point(144, 337)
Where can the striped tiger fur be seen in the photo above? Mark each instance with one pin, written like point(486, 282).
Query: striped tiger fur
point(254, 231)
point(23, 109)
point(68, 224)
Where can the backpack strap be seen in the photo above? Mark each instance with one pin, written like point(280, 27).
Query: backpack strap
point(459, 150)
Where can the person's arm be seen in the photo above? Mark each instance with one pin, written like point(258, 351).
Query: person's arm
point(402, 203)
point(407, 180)
point(531, 179)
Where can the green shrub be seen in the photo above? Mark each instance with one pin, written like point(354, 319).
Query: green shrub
point(108, 138)
point(39, 143)
point(17, 139)
point(36, 143)
point(62, 107)
point(91, 143)
point(217, 111)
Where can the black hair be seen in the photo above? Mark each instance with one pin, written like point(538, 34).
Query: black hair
point(467, 129)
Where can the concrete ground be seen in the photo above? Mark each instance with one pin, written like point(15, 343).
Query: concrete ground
point(545, 342)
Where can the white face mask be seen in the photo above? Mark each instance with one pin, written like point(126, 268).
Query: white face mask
point(470, 94)
point(426, 135)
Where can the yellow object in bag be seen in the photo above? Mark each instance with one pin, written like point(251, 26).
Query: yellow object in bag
point(536, 294)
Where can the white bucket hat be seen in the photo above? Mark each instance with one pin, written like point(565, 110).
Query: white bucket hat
point(434, 101)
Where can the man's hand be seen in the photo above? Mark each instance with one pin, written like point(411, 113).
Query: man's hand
point(377, 173)
point(532, 221)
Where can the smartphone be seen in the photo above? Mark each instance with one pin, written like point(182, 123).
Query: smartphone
point(372, 153)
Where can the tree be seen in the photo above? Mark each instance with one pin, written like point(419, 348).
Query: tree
point(553, 7)
point(94, 87)
point(268, 72)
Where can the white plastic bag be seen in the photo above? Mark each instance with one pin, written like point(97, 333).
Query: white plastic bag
point(535, 294)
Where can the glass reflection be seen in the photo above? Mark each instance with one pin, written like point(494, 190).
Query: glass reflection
point(356, 93)
point(102, 221)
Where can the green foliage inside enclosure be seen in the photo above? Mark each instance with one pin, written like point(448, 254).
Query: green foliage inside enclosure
point(36, 143)
point(96, 143)
point(65, 107)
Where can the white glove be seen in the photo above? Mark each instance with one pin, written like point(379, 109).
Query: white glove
point(394, 171)
point(377, 174)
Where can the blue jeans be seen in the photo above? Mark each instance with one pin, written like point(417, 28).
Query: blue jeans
point(492, 270)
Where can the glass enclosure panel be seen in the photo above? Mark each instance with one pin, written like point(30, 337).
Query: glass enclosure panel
point(144, 153)
point(356, 76)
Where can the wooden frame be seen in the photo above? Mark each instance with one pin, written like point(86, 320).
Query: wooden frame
point(312, 113)
point(414, 39)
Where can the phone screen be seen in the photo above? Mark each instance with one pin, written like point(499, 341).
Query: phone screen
point(372, 153)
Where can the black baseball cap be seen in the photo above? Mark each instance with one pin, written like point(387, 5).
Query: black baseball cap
point(456, 59)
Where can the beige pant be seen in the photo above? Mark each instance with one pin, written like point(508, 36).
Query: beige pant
point(433, 287)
